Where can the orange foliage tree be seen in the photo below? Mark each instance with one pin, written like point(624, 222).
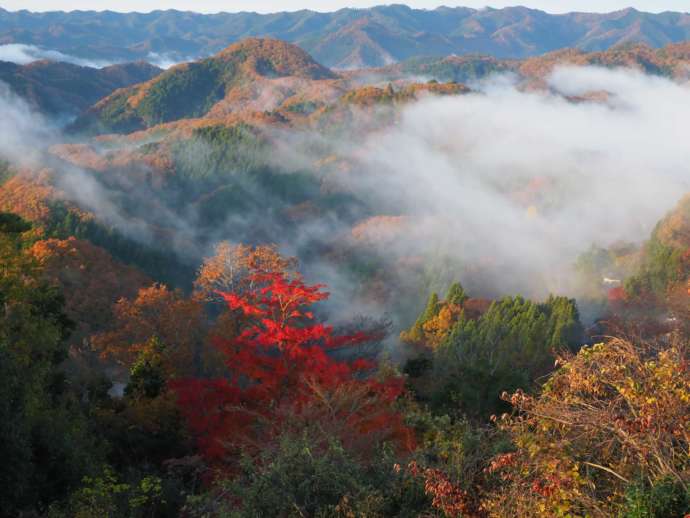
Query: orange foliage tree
point(178, 322)
point(91, 280)
point(232, 267)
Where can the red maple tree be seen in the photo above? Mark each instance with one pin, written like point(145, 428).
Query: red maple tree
point(282, 372)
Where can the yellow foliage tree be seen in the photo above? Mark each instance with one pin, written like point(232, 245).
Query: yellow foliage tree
point(614, 414)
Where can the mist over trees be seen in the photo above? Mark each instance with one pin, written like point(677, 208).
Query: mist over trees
point(253, 286)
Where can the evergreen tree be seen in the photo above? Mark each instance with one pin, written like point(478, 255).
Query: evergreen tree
point(508, 347)
point(416, 334)
point(456, 294)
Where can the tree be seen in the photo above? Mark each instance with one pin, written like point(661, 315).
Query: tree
point(610, 425)
point(280, 370)
point(44, 440)
point(456, 294)
point(147, 375)
point(416, 334)
point(232, 266)
point(437, 328)
point(156, 311)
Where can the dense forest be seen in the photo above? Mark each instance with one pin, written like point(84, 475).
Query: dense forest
point(240, 400)
point(222, 294)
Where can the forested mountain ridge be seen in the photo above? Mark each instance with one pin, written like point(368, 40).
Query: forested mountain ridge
point(252, 75)
point(58, 89)
point(349, 38)
point(207, 135)
point(669, 61)
point(273, 82)
point(63, 89)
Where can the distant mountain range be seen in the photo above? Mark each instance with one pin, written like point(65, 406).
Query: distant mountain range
point(345, 39)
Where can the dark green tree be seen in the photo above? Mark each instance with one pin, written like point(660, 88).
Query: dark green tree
point(508, 347)
point(456, 294)
point(416, 334)
point(44, 440)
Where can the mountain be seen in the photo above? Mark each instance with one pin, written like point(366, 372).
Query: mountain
point(265, 80)
point(66, 89)
point(348, 38)
point(255, 74)
point(671, 61)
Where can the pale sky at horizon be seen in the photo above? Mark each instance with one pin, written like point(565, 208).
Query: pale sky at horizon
point(264, 6)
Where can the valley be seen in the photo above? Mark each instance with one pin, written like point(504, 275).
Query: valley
point(367, 284)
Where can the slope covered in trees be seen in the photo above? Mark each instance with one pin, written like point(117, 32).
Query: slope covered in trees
point(668, 61)
point(227, 81)
point(90, 279)
point(241, 402)
point(44, 436)
point(65, 90)
point(268, 82)
point(662, 276)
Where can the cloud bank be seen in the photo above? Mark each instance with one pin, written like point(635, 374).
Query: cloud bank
point(501, 189)
point(516, 184)
point(22, 54)
point(25, 133)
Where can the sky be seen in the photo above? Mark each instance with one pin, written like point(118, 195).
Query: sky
point(209, 6)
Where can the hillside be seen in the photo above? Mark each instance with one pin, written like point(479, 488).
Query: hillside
point(664, 272)
point(348, 38)
point(669, 61)
point(91, 280)
point(63, 89)
point(252, 75)
point(269, 82)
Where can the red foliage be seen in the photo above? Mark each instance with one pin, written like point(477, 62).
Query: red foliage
point(279, 367)
point(617, 295)
point(446, 497)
